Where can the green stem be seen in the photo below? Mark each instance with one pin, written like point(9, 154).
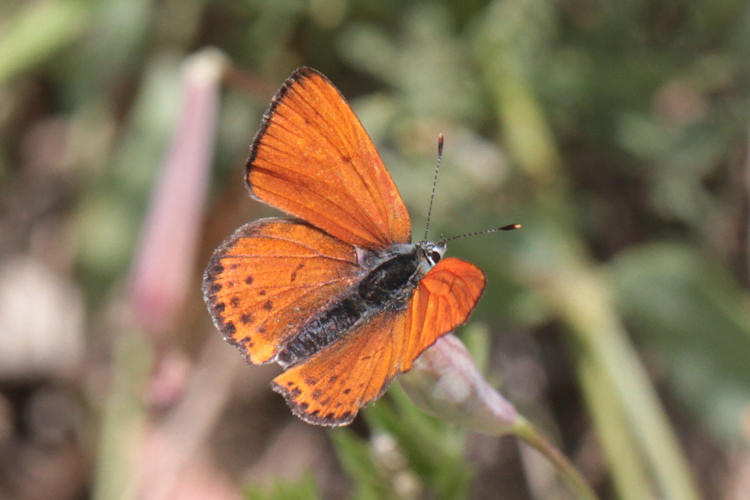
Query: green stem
point(528, 433)
point(583, 301)
point(629, 477)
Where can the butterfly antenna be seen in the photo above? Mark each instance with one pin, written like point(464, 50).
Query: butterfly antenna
point(434, 184)
point(509, 227)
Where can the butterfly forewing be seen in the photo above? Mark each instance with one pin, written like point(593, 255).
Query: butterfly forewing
point(312, 158)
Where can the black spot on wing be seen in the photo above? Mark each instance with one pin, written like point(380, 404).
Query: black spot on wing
point(292, 393)
point(299, 267)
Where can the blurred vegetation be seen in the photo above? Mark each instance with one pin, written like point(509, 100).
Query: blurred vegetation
point(618, 319)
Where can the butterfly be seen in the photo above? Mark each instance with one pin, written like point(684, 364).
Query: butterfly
point(336, 294)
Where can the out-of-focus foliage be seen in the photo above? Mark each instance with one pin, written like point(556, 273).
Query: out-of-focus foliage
point(304, 489)
point(674, 297)
point(615, 132)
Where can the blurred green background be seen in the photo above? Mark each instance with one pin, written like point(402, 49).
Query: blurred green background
point(617, 320)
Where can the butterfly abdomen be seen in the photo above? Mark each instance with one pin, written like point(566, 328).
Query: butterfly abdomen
point(322, 330)
point(387, 287)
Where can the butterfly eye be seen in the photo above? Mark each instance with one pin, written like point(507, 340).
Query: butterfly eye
point(435, 257)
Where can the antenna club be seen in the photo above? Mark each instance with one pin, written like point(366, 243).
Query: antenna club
point(509, 227)
point(441, 139)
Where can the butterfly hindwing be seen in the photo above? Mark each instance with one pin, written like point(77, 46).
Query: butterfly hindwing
point(313, 158)
point(331, 387)
point(269, 277)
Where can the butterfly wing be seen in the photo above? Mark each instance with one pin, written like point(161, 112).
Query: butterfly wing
point(329, 388)
point(443, 300)
point(271, 275)
point(313, 158)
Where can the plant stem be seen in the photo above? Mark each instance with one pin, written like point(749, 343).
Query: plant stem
point(528, 433)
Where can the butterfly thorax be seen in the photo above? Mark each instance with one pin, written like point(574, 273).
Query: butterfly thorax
point(388, 281)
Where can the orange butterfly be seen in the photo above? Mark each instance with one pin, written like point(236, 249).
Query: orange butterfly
point(339, 296)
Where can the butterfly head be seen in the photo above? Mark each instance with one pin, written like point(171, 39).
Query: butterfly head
point(430, 252)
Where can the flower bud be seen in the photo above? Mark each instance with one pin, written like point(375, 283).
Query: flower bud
point(445, 382)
